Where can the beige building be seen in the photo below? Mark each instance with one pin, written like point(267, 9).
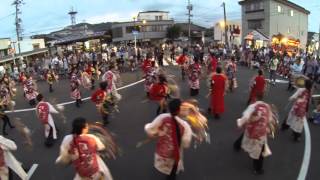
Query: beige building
point(273, 17)
point(233, 32)
point(149, 25)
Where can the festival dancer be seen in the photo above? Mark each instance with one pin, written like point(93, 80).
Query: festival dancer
point(147, 63)
point(299, 110)
point(5, 118)
point(112, 78)
point(81, 149)
point(7, 160)
point(218, 90)
point(194, 72)
point(159, 93)
point(174, 134)
point(85, 79)
point(151, 77)
point(103, 102)
point(182, 61)
point(44, 110)
point(213, 64)
point(91, 72)
point(75, 89)
point(258, 121)
point(30, 90)
point(51, 78)
point(231, 69)
point(258, 86)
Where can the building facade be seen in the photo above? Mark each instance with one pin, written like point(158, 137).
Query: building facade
point(149, 25)
point(233, 32)
point(274, 17)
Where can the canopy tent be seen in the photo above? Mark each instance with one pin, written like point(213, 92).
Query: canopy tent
point(256, 35)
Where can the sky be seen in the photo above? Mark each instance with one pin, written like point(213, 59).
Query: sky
point(43, 16)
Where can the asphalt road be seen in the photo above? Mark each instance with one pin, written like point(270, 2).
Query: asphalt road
point(208, 161)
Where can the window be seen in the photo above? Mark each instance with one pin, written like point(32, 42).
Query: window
point(279, 9)
point(160, 18)
point(129, 29)
point(255, 24)
point(254, 6)
point(291, 13)
point(36, 46)
point(117, 32)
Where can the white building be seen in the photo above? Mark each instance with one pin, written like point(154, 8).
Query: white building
point(153, 16)
point(149, 25)
point(273, 17)
point(233, 32)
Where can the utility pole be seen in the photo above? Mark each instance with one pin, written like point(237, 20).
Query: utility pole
point(319, 43)
point(18, 22)
point(225, 24)
point(189, 8)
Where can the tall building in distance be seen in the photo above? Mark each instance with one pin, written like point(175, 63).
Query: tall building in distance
point(147, 26)
point(275, 17)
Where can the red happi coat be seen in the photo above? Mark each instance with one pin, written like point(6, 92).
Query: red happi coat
point(214, 63)
point(300, 106)
point(217, 93)
point(146, 65)
point(98, 96)
point(167, 145)
point(85, 147)
point(257, 126)
point(43, 112)
point(257, 88)
point(182, 59)
point(158, 92)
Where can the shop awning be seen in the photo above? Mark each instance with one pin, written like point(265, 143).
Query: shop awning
point(256, 35)
point(24, 54)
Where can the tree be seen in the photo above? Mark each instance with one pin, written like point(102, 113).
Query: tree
point(173, 32)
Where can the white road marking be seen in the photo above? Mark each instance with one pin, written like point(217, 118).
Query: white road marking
point(71, 102)
point(279, 81)
point(307, 153)
point(32, 170)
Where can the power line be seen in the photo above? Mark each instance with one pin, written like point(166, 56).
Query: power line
point(4, 17)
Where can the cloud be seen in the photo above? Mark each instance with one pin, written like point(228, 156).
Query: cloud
point(111, 17)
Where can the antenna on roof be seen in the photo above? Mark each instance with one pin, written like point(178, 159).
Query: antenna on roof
point(73, 14)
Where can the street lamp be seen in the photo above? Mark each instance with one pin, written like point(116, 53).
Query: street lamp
point(144, 22)
point(135, 34)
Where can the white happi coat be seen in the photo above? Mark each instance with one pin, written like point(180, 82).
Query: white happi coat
point(10, 161)
point(155, 128)
point(65, 156)
point(111, 79)
point(295, 122)
point(50, 121)
point(251, 145)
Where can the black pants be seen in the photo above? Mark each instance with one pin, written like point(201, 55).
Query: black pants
point(78, 102)
point(50, 88)
point(32, 102)
point(258, 163)
point(194, 92)
point(237, 143)
point(92, 83)
point(6, 121)
point(296, 136)
point(160, 62)
point(173, 173)
point(105, 118)
point(49, 140)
